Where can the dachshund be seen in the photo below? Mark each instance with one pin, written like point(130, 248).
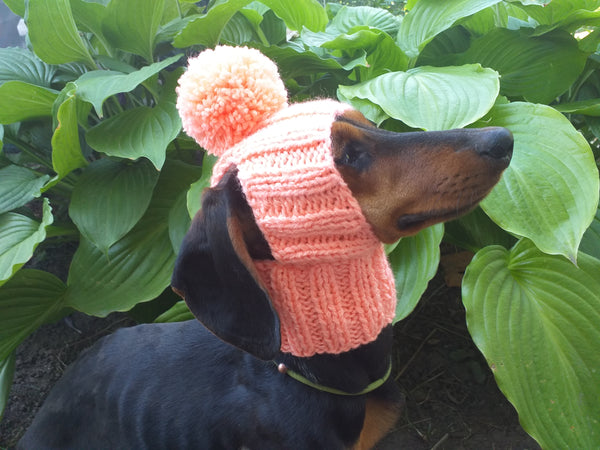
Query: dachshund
point(178, 385)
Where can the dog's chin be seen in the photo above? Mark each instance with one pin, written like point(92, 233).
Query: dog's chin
point(411, 224)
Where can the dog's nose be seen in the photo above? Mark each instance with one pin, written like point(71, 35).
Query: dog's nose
point(497, 143)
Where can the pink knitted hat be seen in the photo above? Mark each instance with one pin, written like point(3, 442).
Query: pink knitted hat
point(330, 281)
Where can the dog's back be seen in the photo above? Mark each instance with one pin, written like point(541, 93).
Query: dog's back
point(142, 386)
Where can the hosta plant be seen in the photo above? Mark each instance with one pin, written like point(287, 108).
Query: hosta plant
point(93, 153)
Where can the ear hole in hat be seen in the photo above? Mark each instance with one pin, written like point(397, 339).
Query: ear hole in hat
point(215, 274)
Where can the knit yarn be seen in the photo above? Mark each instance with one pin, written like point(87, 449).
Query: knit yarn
point(330, 281)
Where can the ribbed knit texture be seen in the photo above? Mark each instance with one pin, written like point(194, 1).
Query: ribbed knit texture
point(330, 281)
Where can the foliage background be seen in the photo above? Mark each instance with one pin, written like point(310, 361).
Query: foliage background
point(92, 152)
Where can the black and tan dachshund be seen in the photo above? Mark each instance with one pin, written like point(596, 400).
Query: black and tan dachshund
point(178, 386)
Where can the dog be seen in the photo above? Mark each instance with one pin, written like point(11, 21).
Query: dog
point(227, 384)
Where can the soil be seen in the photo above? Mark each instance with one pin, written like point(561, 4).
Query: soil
point(452, 401)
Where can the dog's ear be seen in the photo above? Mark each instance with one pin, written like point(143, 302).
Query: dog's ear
point(216, 276)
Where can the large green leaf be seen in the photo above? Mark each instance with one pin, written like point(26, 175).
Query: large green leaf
point(349, 17)
point(7, 370)
point(139, 132)
point(53, 33)
point(536, 318)
point(549, 193)
point(206, 29)
point(431, 98)
point(132, 25)
point(19, 64)
point(28, 300)
point(19, 236)
point(66, 148)
point(414, 262)
point(590, 243)
point(110, 197)
point(26, 101)
point(96, 86)
point(428, 18)
point(19, 185)
point(565, 14)
point(300, 13)
point(138, 267)
point(536, 68)
point(293, 61)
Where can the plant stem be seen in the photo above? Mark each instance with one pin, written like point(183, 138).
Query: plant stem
point(53, 231)
point(29, 151)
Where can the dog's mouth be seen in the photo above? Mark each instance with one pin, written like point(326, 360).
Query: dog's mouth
point(412, 223)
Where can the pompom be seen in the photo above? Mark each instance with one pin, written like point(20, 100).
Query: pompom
point(226, 94)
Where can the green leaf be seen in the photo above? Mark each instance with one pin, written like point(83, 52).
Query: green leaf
point(194, 194)
point(139, 132)
point(7, 370)
point(414, 262)
point(294, 61)
point(431, 98)
point(16, 6)
point(386, 57)
point(179, 221)
point(18, 186)
point(589, 107)
point(132, 25)
point(53, 33)
point(590, 243)
point(428, 18)
point(66, 148)
point(138, 267)
point(178, 313)
point(206, 29)
point(299, 14)
point(565, 14)
point(89, 15)
point(19, 236)
point(536, 318)
point(19, 64)
point(28, 300)
point(110, 197)
point(239, 30)
point(549, 193)
point(96, 86)
point(27, 101)
point(349, 17)
point(538, 69)
point(475, 231)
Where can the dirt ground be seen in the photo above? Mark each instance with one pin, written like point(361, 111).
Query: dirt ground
point(452, 401)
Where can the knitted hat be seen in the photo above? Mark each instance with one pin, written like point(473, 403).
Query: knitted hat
point(330, 281)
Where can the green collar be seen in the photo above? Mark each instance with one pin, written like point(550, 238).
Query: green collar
point(370, 387)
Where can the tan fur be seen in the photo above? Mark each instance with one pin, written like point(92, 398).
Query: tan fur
point(380, 418)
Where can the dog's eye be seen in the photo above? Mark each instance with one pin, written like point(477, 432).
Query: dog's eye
point(356, 156)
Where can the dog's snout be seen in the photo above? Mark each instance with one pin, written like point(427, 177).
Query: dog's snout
point(497, 143)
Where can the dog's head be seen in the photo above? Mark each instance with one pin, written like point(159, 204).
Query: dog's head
point(313, 188)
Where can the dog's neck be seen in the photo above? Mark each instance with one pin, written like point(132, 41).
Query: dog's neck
point(350, 371)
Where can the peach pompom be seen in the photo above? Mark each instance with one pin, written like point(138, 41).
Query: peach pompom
point(226, 94)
